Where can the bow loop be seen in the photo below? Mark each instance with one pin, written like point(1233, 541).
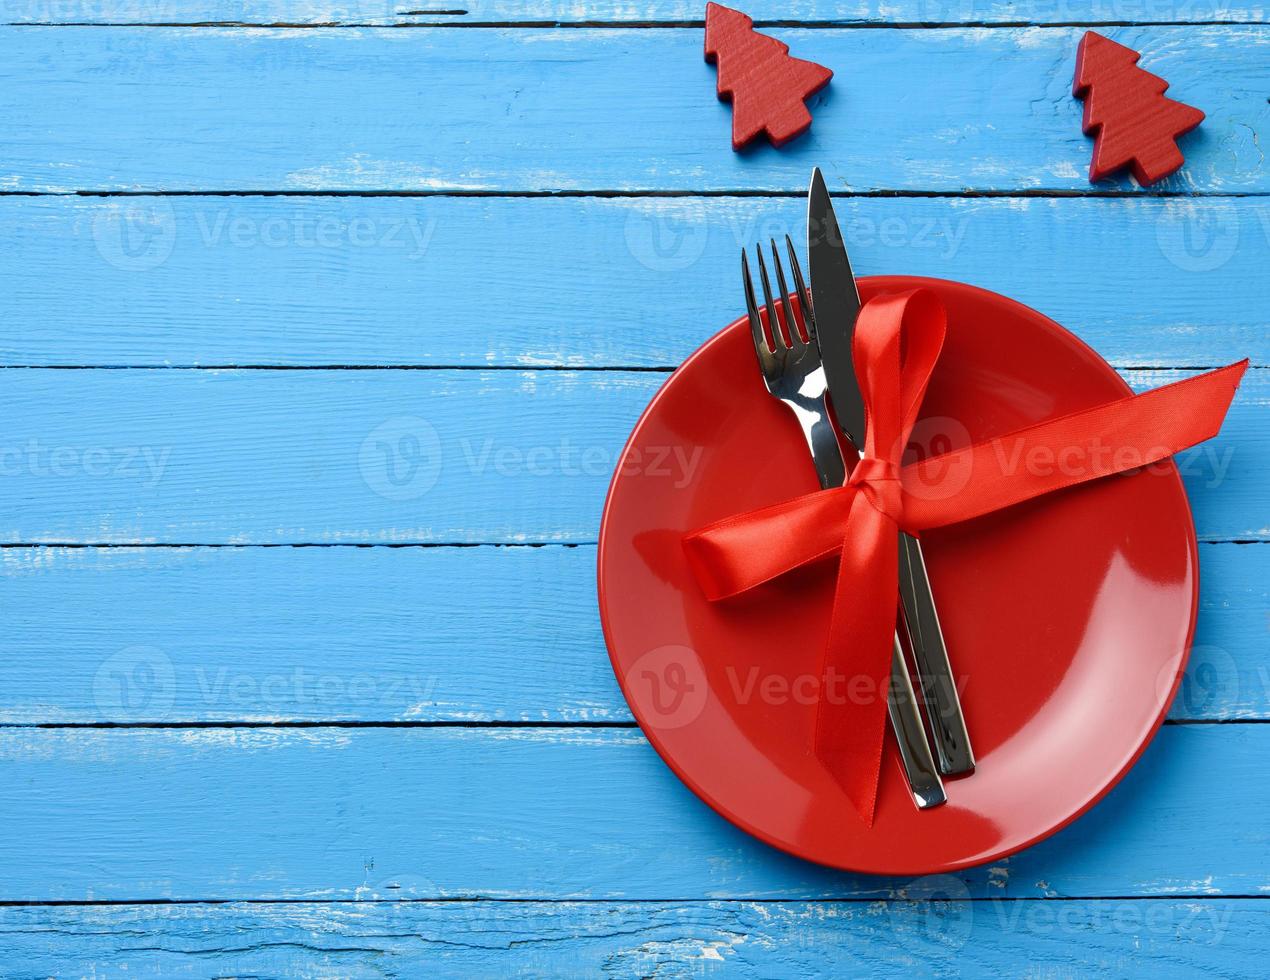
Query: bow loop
point(895, 347)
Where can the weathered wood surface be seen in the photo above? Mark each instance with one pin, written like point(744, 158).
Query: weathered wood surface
point(635, 12)
point(371, 941)
point(1168, 875)
point(585, 282)
point(334, 814)
point(229, 109)
point(455, 635)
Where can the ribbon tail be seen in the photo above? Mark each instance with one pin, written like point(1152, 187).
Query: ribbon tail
point(738, 553)
point(1120, 435)
point(855, 669)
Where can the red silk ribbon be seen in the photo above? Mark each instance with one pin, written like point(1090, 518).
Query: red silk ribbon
point(860, 520)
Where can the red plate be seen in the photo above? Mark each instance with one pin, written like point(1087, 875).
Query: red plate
point(1068, 618)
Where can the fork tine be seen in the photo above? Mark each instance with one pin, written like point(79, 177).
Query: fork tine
point(778, 339)
point(787, 311)
point(765, 357)
point(804, 298)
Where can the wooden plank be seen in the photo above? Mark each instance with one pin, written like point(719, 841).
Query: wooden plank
point(376, 281)
point(326, 12)
point(1228, 675)
point(315, 456)
point(300, 110)
point(167, 635)
point(311, 634)
point(254, 457)
point(1178, 938)
point(536, 813)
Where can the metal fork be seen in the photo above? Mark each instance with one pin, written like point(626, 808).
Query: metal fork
point(794, 375)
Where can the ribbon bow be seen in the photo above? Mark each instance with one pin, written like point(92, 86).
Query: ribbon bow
point(861, 519)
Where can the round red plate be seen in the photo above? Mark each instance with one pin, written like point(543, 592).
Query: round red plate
point(1067, 618)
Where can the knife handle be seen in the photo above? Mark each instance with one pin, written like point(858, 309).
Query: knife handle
point(939, 687)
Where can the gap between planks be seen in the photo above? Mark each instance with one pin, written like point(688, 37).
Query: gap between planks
point(159, 545)
point(638, 25)
point(521, 368)
point(607, 193)
point(742, 902)
point(475, 725)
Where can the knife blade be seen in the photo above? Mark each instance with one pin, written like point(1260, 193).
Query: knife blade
point(835, 300)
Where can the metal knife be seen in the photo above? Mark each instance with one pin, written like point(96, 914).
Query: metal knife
point(836, 302)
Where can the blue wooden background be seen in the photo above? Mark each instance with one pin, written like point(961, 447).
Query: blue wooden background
point(325, 322)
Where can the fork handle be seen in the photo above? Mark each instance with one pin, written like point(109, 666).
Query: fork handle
point(825, 451)
point(939, 688)
point(901, 704)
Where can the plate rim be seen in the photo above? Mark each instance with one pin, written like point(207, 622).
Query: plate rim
point(650, 733)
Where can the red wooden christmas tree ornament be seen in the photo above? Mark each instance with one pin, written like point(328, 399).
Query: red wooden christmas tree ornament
point(1135, 125)
point(767, 87)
